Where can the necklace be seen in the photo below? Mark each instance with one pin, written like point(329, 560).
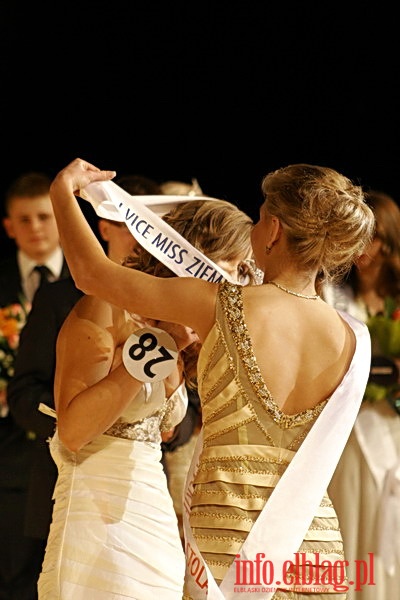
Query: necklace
point(281, 287)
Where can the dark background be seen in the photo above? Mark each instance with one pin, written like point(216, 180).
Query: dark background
point(224, 91)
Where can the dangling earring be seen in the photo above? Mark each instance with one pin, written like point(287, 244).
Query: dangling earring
point(268, 249)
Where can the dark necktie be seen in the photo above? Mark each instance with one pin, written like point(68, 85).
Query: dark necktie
point(44, 273)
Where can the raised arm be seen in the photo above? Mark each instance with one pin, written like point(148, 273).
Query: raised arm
point(188, 301)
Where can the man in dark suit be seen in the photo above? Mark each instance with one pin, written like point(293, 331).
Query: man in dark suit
point(30, 222)
point(31, 385)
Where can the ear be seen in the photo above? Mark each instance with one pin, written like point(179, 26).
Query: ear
point(275, 231)
point(103, 229)
point(7, 224)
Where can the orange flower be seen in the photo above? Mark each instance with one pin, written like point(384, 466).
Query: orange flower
point(8, 326)
point(12, 320)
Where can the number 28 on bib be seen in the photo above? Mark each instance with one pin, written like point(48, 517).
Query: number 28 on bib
point(150, 354)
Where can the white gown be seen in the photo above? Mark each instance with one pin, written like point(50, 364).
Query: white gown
point(365, 488)
point(114, 533)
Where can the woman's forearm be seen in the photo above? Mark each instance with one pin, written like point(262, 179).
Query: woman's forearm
point(79, 243)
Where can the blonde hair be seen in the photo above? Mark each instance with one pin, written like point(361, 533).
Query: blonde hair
point(215, 227)
point(325, 217)
point(181, 188)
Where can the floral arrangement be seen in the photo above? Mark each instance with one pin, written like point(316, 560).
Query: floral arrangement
point(12, 320)
point(384, 382)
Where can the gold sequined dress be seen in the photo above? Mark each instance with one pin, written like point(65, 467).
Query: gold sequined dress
point(114, 533)
point(247, 444)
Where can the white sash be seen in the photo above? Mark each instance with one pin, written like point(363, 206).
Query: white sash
point(160, 239)
point(305, 480)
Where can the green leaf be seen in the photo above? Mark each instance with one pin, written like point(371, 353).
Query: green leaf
point(390, 306)
point(375, 393)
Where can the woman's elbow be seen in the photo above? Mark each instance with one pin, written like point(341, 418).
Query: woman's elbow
point(84, 281)
point(91, 284)
point(70, 438)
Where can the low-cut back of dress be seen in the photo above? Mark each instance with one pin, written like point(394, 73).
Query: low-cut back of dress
point(114, 533)
point(248, 442)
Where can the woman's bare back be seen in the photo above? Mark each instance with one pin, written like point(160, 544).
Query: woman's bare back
point(303, 347)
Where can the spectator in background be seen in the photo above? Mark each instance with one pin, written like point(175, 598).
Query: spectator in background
point(29, 221)
point(365, 488)
point(181, 188)
point(33, 381)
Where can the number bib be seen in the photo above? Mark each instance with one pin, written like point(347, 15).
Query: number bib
point(150, 354)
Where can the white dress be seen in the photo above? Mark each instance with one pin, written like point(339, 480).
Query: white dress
point(365, 488)
point(114, 533)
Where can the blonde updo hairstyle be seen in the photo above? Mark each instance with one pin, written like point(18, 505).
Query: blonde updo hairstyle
point(324, 215)
point(215, 227)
